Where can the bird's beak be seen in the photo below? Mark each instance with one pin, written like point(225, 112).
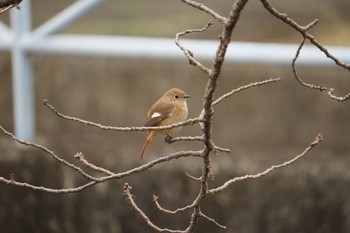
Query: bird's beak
point(187, 96)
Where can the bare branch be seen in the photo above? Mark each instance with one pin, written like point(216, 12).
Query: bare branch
point(45, 189)
point(81, 158)
point(212, 220)
point(220, 149)
point(187, 52)
point(129, 197)
point(317, 140)
point(193, 178)
point(155, 200)
point(122, 129)
point(303, 31)
point(340, 99)
point(49, 152)
point(242, 88)
point(208, 111)
point(296, 75)
point(188, 138)
point(206, 9)
point(94, 180)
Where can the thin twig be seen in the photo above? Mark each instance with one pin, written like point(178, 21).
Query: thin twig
point(206, 9)
point(221, 188)
point(220, 149)
point(49, 152)
point(117, 176)
point(193, 178)
point(303, 31)
point(187, 138)
point(212, 220)
point(81, 158)
point(46, 189)
point(155, 200)
point(130, 198)
point(296, 75)
point(187, 52)
point(242, 88)
point(122, 129)
point(339, 98)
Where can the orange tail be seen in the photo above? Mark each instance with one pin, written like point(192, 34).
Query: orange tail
point(147, 142)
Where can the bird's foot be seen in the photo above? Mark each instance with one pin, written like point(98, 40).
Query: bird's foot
point(168, 139)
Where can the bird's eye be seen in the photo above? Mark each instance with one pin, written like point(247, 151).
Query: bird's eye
point(176, 97)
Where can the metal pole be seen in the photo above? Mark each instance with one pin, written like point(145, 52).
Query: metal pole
point(165, 48)
point(65, 17)
point(23, 92)
point(5, 36)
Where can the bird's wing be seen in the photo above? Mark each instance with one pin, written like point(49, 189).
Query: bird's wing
point(158, 113)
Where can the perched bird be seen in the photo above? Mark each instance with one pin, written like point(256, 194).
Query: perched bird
point(171, 108)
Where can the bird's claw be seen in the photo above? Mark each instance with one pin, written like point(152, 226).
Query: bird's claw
point(168, 139)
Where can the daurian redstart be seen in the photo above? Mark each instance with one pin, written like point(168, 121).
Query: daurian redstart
point(171, 108)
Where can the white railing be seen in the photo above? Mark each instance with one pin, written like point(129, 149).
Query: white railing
point(22, 41)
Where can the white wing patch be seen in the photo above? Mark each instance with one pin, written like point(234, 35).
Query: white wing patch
point(156, 114)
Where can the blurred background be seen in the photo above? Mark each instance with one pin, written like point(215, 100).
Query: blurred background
point(261, 126)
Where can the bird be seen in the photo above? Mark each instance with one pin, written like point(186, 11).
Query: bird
point(169, 109)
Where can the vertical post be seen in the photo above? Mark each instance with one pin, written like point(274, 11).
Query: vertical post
point(23, 90)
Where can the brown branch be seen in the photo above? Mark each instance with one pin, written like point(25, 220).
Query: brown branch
point(49, 152)
point(242, 88)
point(45, 189)
point(221, 188)
point(220, 149)
point(193, 178)
point(155, 200)
point(81, 158)
point(208, 112)
point(303, 31)
point(187, 52)
point(122, 129)
point(296, 75)
point(206, 9)
point(94, 180)
point(129, 197)
point(211, 220)
point(187, 138)
point(340, 99)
